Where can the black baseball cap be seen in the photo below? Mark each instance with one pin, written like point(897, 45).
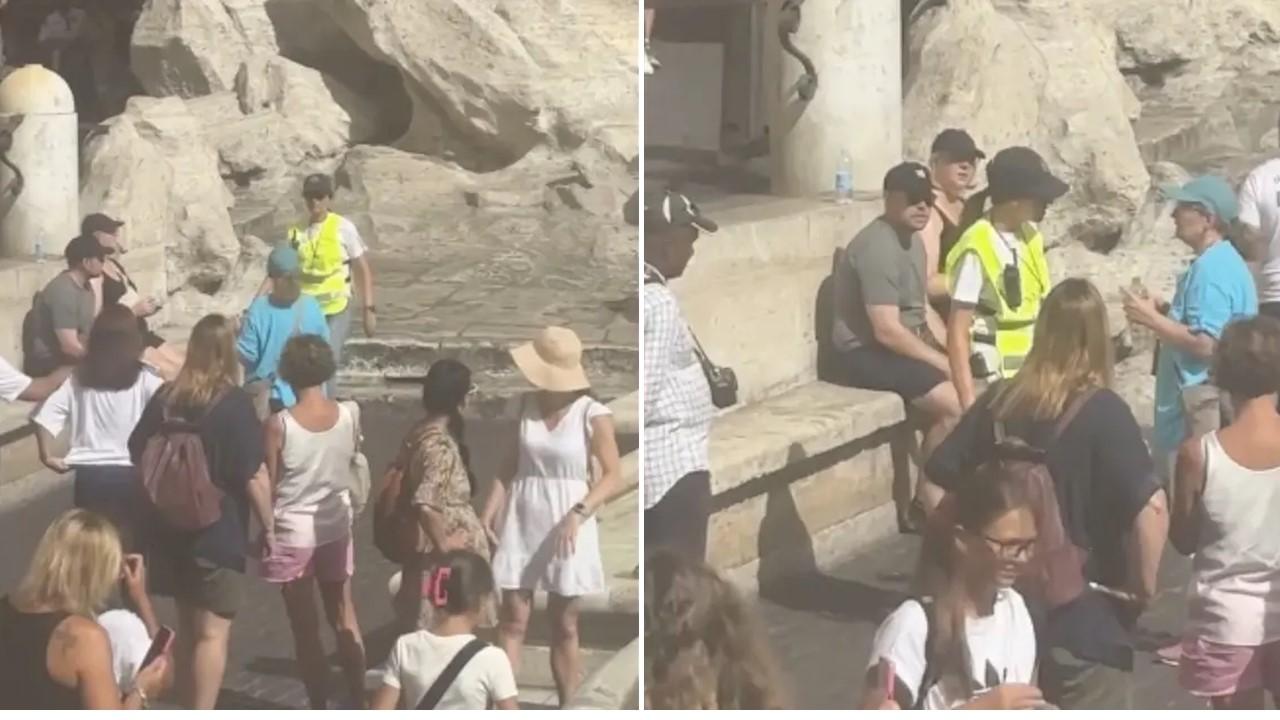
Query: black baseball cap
point(318, 185)
point(911, 179)
point(666, 208)
point(84, 247)
point(98, 222)
point(1020, 172)
point(957, 145)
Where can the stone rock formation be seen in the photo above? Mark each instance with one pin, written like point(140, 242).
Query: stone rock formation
point(1041, 74)
point(154, 168)
point(434, 114)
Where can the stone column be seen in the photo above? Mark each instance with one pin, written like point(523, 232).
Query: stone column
point(46, 214)
point(856, 46)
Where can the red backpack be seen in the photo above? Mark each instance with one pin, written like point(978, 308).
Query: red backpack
point(1056, 573)
point(175, 472)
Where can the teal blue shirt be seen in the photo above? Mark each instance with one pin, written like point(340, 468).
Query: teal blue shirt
point(266, 329)
point(1217, 289)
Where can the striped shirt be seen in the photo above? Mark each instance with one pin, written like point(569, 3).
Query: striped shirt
point(677, 398)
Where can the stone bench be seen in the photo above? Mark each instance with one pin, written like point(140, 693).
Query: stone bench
point(800, 478)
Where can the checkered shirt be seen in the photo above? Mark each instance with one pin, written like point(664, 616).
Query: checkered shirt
point(677, 398)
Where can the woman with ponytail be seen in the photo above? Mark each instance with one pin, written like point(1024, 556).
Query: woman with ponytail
point(309, 449)
point(440, 486)
point(968, 641)
point(445, 667)
point(997, 271)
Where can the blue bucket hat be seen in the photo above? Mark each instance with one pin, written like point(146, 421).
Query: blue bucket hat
point(283, 262)
point(1210, 192)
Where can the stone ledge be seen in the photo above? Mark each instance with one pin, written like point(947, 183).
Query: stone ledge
point(791, 468)
point(613, 685)
point(800, 424)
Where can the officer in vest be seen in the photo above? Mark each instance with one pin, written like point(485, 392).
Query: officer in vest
point(330, 249)
point(997, 271)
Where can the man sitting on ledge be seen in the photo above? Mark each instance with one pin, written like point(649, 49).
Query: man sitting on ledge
point(63, 311)
point(885, 334)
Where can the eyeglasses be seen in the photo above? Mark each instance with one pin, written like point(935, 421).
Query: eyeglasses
point(1011, 549)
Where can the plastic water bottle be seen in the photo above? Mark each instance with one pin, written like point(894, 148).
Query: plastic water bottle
point(39, 250)
point(844, 179)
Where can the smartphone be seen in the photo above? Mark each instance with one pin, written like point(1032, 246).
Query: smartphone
point(160, 645)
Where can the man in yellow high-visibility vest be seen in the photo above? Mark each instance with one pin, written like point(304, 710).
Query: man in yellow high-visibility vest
point(331, 253)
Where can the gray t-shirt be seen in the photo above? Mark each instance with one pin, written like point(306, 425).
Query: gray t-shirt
point(879, 267)
point(61, 305)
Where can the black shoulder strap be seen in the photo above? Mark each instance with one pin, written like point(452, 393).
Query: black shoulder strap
point(450, 673)
point(930, 677)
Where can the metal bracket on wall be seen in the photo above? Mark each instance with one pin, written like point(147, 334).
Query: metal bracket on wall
point(788, 23)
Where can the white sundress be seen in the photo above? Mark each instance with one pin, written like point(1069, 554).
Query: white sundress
point(553, 474)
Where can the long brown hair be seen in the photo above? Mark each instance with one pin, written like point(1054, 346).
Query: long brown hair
point(944, 576)
point(703, 646)
point(1071, 351)
point(113, 358)
point(212, 365)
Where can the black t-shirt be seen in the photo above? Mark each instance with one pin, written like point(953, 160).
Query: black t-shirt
point(233, 446)
point(1104, 477)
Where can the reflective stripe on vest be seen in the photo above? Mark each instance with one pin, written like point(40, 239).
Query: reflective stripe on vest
point(1012, 330)
point(323, 271)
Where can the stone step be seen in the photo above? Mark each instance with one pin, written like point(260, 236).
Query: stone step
point(789, 471)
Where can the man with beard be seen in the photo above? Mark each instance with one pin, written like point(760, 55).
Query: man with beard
point(885, 335)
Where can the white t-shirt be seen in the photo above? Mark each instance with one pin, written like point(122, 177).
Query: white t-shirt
point(353, 245)
point(1002, 649)
point(418, 659)
point(969, 286)
point(1260, 208)
point(101, 420)
point(129, 644)
point(12, 382)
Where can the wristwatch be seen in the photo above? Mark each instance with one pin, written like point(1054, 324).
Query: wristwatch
point(580, 509)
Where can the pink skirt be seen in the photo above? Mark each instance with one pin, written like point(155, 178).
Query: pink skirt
point(1209, 669)
point(333, 562)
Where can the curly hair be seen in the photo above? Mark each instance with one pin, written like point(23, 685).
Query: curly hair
point(307, 362)
point(704, 649)
point(1247, 361)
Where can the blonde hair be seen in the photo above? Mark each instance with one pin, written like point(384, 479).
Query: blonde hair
point(704, 648)
point(1071, 352)
point(212, 364)
point(75, 566)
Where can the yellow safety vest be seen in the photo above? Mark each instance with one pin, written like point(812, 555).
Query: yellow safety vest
point(1011, 331)
point(324, 271)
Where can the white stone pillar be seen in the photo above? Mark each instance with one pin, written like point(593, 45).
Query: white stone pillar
point(856, 46)
point(46, 149)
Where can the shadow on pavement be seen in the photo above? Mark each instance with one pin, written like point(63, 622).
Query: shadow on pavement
point(789, 574)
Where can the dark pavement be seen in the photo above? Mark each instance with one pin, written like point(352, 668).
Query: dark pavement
point(261, 673)
point(821, 627)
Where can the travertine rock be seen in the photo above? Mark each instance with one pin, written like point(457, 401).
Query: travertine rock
point(1041, 74)
point(191, 48)
point(154, 168)
point(490, 80)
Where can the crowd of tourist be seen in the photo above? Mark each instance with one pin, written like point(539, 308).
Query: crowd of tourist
point(1044, 511)
point(241, 463)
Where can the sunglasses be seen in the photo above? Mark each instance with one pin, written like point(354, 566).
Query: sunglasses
point(313, 197)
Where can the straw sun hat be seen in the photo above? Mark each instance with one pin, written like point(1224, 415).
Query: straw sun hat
point(553, 361)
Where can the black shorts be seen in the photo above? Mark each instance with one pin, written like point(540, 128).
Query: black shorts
point(875, 368)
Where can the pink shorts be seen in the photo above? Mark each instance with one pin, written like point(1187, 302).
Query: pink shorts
point(1209, 669)
point(332, 562)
